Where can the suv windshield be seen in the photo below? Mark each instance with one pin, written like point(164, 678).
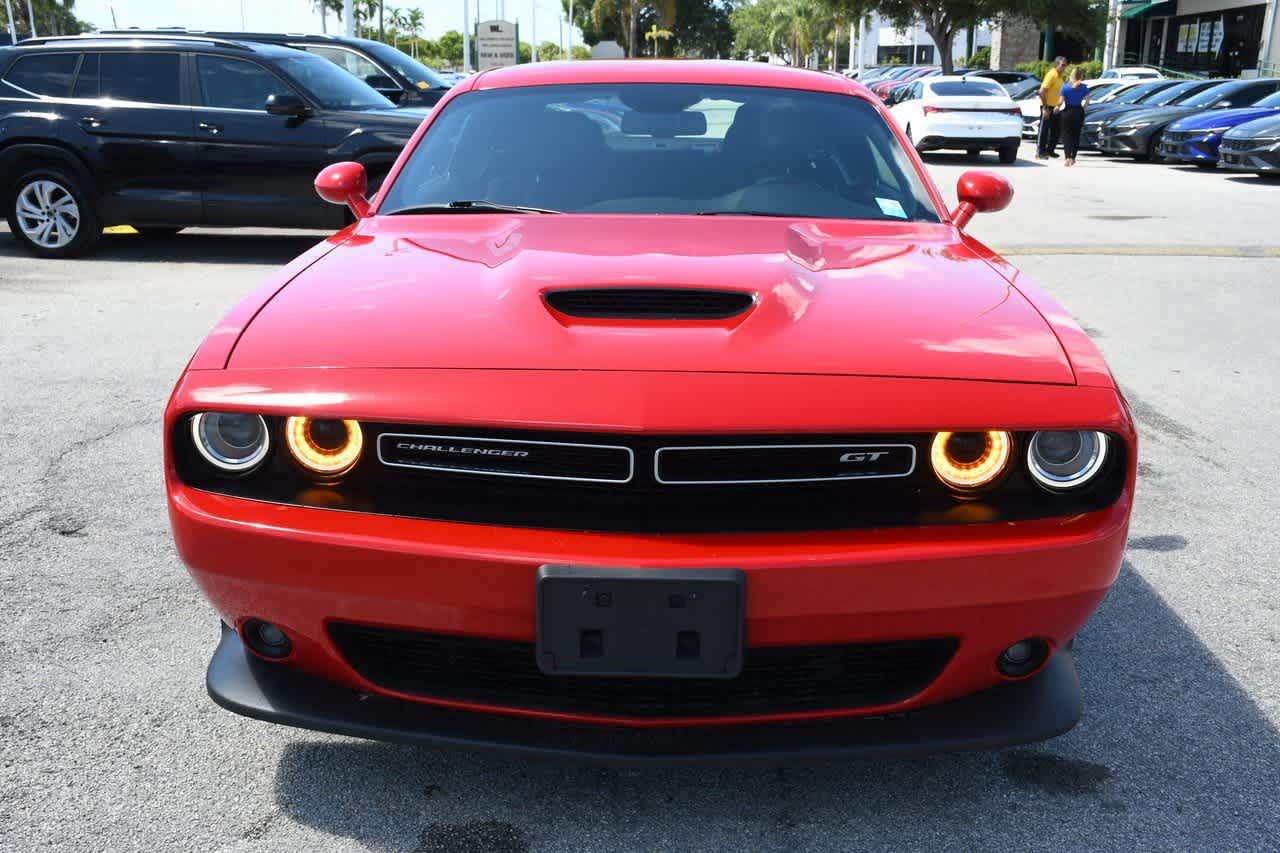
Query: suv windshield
point(405, 65)
point(662, 149)
point(330, 86)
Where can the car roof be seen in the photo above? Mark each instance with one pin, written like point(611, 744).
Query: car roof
point(709, 71)
point(98, 41)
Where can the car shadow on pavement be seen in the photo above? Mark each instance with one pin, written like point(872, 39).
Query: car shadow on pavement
point(196, 248)
point(1172, 753)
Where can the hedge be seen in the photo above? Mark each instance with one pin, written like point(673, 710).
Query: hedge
point(1092, 70)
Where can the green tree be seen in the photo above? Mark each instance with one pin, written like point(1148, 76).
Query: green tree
point(941, 19)
point(51, 18)
point(449, 48)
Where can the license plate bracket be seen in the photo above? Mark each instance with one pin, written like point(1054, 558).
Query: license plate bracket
point(655, 623)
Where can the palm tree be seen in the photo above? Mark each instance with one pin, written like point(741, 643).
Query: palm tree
point(415, 21)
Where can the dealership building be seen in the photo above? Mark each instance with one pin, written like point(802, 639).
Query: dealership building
point(1226, 38)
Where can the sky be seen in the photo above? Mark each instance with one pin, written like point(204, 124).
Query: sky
point(300, 15)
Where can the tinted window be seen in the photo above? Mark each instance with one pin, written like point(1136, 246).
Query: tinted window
point(50, 74)
point(1249, 95)
point(673, 149)
point(352, 63)
point(966, 87)
point(330, 86)
point(410, 68)
point(1178, 90)
point(1272, 100)
point(149, 78)
point(236, 84)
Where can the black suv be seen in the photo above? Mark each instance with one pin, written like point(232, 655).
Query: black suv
point(397, 76)
point(166, 132)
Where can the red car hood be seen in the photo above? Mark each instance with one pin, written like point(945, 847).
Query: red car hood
point(465, 291)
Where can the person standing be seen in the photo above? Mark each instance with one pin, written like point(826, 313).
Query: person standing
point(1050, 97)
point(1075, 97)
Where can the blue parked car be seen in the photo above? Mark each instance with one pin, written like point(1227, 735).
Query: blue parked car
point(1195, 139)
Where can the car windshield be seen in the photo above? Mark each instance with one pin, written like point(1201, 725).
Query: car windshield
point(662, 149)
point(330, 86)
point(1213, 93)
point(1022, 89)
point(1135, 94)
point(1173, 93)
point(406, 66)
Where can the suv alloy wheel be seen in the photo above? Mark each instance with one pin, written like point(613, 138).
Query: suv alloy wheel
point(51, 216)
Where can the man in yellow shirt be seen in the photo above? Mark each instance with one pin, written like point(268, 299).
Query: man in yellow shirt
point(1050, 97)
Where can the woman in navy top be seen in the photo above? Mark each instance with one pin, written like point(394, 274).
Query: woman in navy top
point(1075, 95)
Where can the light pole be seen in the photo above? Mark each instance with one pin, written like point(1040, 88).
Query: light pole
point(466, 35)
point(348, 18)
point(31, 16)
point(13, 33)
point(533, 35)
point(571, 29)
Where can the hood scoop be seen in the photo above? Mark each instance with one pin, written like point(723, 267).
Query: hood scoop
point(649, 303)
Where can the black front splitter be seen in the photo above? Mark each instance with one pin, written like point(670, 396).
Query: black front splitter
point(1020, 712)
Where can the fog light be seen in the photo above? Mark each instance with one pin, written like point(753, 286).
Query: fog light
point(267, 639)
point(324, 446)
point(1023, 657)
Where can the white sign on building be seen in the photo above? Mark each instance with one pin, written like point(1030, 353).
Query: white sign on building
point(496, 45)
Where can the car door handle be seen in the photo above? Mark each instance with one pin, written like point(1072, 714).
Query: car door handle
point(210, 127)
point(91, 122)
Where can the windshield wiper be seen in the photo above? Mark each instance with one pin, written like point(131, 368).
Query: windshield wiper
point(467, 206)
point(747, 213)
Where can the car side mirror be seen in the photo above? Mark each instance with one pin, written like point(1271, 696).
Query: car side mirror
point(345, 183)
point(980, 192)
point(286, 104)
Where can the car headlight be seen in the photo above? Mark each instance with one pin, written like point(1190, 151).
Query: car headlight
point(324, 446)
point(1066, 459)
point(966, 461)
point(231, 442)
point(1125, 128)
point(1218, 130)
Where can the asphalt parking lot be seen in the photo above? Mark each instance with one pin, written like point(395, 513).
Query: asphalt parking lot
point(108, 741)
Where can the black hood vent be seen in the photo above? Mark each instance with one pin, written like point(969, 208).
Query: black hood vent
point(650, 303)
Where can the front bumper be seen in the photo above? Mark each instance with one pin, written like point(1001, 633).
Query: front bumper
point(1190, 149)
point(1041, 707)
point(1247, 157)
point(1123, 142)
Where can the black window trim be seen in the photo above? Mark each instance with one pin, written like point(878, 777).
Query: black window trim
point(197, 94)
point(75, 75)
point(182, 88)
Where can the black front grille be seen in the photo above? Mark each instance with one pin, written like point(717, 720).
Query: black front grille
point(782, 463)
point(650, 303)
point(777, 679)
point(549, 460)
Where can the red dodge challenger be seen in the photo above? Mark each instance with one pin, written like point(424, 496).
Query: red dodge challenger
point(653, 412)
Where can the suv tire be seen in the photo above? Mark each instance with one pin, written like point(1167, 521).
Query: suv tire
point(1009, 154)
point(50, 215)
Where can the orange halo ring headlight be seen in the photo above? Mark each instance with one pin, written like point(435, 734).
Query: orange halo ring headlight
point(324, 446)
point(966, 461)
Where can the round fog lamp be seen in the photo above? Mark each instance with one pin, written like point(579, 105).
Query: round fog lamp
point(229, 441)
point(1066, 459)
point(324, 446)
point(970, 460)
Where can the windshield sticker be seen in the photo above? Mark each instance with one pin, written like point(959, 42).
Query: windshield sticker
point(422, 84)
point(891, 207)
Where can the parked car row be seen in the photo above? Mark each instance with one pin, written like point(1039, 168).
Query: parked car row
point(1189, 121)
